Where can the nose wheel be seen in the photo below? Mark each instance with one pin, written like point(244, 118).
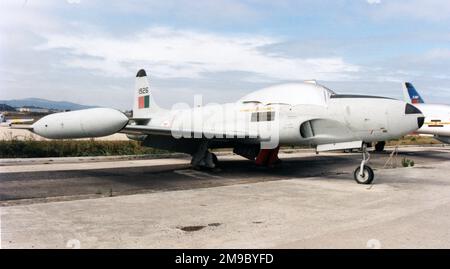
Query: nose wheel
point(363, 173)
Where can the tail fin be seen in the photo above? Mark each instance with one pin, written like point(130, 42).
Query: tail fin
point(144, 104)
point(411, 95)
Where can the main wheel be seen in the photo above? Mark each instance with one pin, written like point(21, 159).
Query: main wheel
point(367, 176)
point(214, 159)
point(379, 147)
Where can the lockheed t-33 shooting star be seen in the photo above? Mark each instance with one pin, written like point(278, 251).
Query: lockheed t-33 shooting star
point(255, 126)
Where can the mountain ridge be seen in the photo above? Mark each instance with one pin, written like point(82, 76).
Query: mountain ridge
point(44, 103)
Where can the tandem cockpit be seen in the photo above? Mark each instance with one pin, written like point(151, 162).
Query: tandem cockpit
point(306, 93)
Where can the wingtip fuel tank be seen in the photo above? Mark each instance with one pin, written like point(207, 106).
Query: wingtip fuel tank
point(93, 122)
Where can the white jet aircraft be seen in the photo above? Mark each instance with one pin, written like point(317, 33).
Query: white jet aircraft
point(437, 116)
point(255, 126)
point(8, 122)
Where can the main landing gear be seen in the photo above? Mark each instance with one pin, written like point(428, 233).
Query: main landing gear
point(363, 173)
point(203, 158)
point(268, 157)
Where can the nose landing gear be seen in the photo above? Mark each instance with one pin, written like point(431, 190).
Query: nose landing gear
point(379, 147)
point(363, 173)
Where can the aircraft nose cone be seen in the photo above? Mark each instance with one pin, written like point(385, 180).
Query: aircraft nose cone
point(420, 121)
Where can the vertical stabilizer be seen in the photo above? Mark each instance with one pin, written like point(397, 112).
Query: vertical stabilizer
point(144, 104)
point(410, 94)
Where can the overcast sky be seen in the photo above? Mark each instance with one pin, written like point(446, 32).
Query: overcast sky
point(89, 51)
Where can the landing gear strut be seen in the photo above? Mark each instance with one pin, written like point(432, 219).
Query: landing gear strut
point(203, 158)
point(363, 173)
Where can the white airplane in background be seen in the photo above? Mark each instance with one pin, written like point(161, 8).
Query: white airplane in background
point(437, 116)
point(255, 126)
point(8, 122)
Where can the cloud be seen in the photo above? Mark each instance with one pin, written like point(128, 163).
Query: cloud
point(171, 53)
point(89, 52)
point(373, 2)
point(438, 54)
point(430, 10)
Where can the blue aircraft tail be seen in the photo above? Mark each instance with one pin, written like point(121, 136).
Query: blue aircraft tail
point(411, 95)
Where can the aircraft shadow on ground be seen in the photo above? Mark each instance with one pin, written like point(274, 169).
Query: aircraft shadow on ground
point(131, 180)
point(27, 185)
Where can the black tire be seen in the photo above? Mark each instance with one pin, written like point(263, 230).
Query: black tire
point(367, 178)
point(379, 147)
point(214, 159)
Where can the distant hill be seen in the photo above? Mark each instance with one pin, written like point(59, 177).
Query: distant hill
point(37, 102)
point(4, 107)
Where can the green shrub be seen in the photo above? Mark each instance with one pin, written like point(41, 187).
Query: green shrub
point(407, 162)
point(404, 162)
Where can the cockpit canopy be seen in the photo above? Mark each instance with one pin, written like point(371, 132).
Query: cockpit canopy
point(292, 94)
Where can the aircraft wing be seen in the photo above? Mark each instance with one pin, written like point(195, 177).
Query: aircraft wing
point(155, 130)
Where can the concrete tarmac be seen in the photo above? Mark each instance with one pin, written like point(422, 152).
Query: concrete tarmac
point(308, 202)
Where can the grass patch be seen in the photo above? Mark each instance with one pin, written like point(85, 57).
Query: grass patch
point(71, 148)
point(413, 140)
